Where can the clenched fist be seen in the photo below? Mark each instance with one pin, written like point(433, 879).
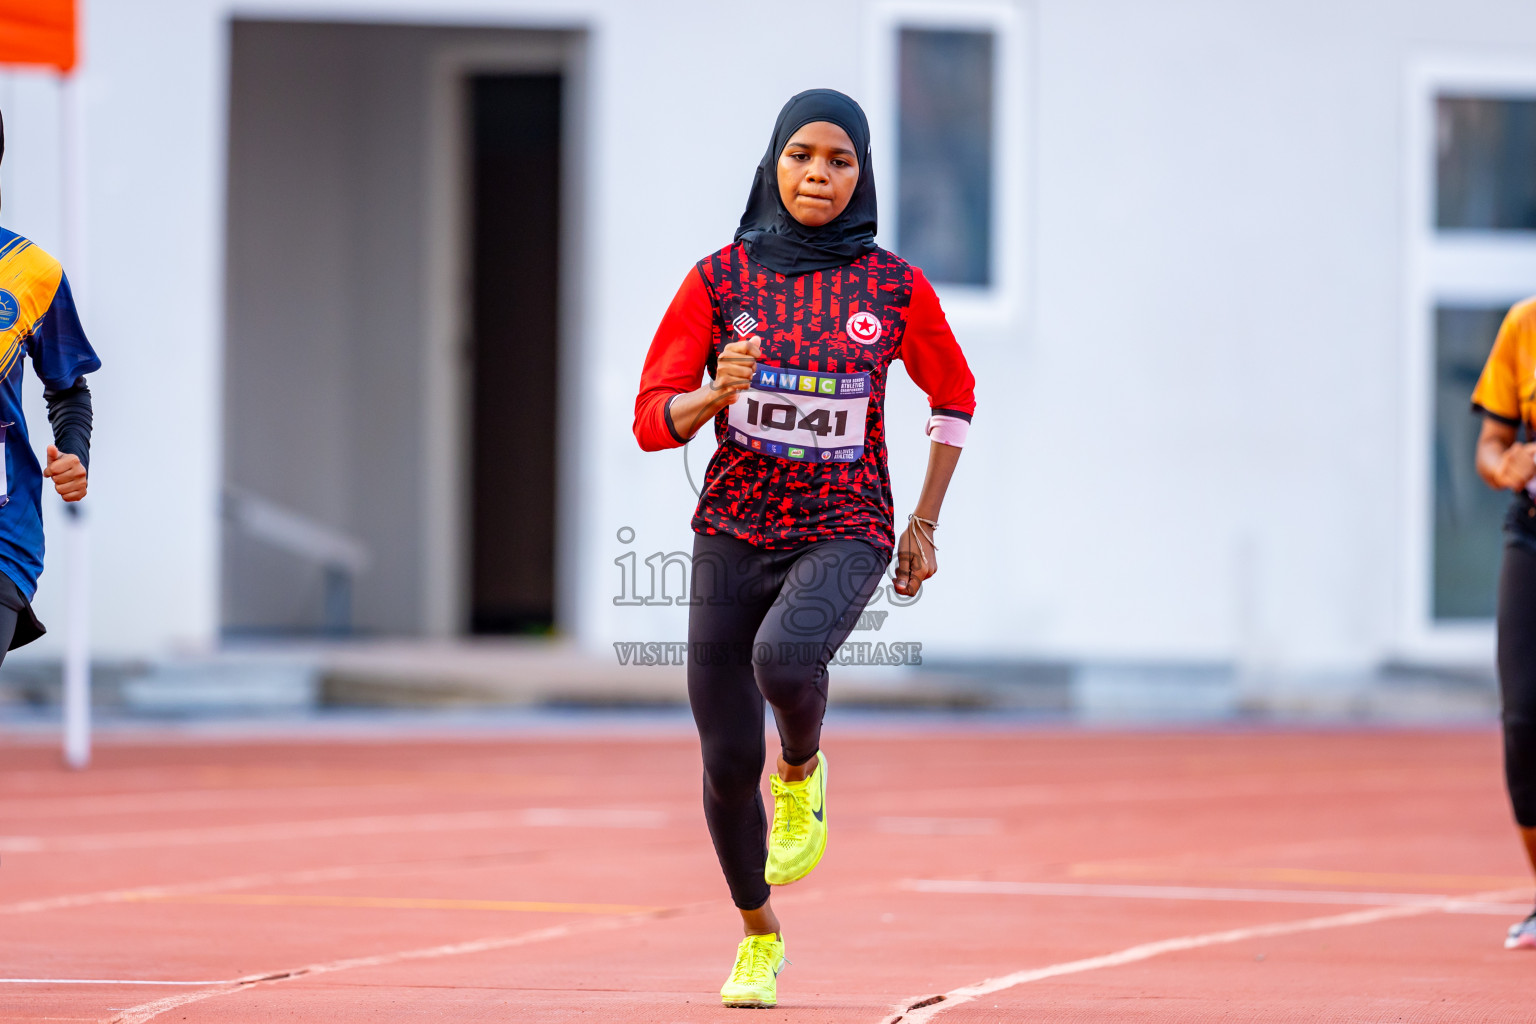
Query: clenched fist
point(733, 375)
point(67, 473)
point(735, 367)
point(917, 559)
point(1517, 466)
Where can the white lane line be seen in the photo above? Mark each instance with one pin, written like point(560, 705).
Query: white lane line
point(149, 1011)
point(939, 826)
point(106, 981)
point(1190, 892)
point(1496, 909)
point(536, 817)
point(172, 801)
point(144, 893)
point(306, 876)
point(921, 1011)
point(1149, 790)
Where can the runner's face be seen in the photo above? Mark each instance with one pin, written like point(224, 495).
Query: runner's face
point(817, 172)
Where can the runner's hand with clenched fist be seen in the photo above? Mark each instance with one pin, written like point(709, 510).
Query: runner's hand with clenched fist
point(1502, 461)
point(733, 375)
point(67, 473)
point(737, 363)
point(1517, 466)
point(917, 559)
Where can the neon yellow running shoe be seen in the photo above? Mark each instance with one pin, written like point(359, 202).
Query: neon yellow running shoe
point(754, 981)
point(799, 835)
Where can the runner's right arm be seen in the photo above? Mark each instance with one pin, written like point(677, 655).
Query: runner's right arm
point(1502, 462)
point(672, 405)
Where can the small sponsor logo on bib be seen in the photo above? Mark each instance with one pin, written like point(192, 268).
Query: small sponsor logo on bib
point(10, 310)
point(864, 327)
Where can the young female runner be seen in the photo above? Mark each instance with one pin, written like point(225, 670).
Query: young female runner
point(797, 323)
point(1506, 396)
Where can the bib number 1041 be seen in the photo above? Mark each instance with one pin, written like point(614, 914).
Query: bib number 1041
point(783, 416)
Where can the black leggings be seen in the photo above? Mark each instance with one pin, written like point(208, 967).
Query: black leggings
point(763, 625)
point(1517, 678)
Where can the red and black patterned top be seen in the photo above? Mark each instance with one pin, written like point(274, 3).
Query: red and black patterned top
point(804, 323)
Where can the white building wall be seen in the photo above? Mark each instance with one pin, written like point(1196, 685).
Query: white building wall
point(1220, 225)
point(1186, 446)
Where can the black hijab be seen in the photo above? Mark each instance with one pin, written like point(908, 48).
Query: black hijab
point(772, 235)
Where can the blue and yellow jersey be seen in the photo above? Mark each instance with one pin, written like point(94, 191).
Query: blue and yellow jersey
point(37, 319)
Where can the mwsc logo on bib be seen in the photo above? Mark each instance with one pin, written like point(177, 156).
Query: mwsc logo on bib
point(10, 310)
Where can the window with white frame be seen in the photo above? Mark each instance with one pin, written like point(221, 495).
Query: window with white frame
point(1485, 163)
point(1476, 240)
point(947, 105)
point(944, 131)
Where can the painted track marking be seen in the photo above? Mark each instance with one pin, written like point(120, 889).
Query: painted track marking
point(187, 801)
point(1188, 892)
point(149, 1011)
point(924, 1009)
point(1303, 876)
point(106, 981)
point(397, 903)
point(938, 826)
point(382, 824)
point(151, 892)
point(214, 885)
point(1172, 789)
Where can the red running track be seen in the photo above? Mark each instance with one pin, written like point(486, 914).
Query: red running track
point(1027, 875)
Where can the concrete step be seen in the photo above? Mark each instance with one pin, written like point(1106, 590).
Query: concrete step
point(284, 677)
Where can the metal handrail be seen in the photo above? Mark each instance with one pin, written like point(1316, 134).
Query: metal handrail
point(342, 558)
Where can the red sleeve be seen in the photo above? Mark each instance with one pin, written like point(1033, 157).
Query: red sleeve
point(935, 362)
point(675, 363)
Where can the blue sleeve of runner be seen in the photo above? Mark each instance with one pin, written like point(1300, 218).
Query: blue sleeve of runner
point(58, 346)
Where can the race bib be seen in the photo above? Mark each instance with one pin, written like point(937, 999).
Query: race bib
point(803, 417)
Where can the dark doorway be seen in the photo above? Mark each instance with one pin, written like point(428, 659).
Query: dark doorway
point(514, 368)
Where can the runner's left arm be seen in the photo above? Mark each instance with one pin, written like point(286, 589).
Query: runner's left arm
point(61, 357)
point(70, 416)
point(936, 364)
